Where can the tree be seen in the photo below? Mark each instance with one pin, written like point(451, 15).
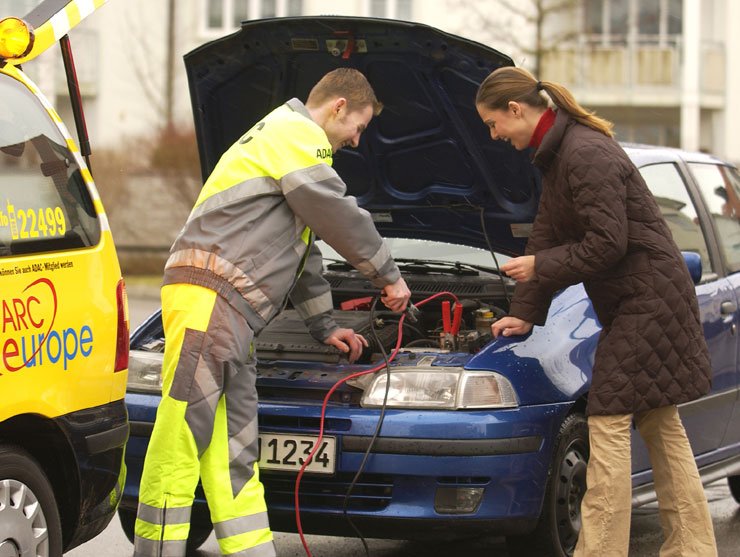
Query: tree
point(525, 25)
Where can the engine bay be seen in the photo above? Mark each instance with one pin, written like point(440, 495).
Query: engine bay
point(434, 325)
point(438, 324)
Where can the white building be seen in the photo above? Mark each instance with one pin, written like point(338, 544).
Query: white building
point(665, 71)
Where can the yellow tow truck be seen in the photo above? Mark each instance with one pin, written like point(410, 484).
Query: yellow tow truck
point(63, 310)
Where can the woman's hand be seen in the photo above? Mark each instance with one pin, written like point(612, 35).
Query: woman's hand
point(510, 326)
point(521, 269)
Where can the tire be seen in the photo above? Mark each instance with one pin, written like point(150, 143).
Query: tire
point(560, 521)
point(23, 484)
point(200, 529)
point(734, 482)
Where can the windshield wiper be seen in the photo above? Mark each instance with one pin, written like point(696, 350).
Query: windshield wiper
point(423, 267)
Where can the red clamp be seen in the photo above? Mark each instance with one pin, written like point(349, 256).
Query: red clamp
point(356, 304)
point(446, 326)
point(457, 319)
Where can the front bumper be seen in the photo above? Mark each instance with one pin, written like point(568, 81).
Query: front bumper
point(502, 454)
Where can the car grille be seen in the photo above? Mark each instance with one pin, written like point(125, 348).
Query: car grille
point(372, 492)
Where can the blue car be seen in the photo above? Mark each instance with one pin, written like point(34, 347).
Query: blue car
point(460, 434)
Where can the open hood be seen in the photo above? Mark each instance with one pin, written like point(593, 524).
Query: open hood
point(426, 167)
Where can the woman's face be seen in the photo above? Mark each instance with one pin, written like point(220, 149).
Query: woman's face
point(508, 125)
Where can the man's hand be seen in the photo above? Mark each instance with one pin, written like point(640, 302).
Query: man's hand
point(347, 341)
point(396, 296)
point(510, 326)
point(521, 269)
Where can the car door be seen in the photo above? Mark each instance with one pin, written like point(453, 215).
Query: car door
point(705, 419)
point(719, 186)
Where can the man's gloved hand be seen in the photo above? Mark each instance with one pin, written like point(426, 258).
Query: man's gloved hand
point(347, 341)
point(396, 296)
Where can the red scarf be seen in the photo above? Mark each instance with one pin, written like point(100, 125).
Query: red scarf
point(543, 126)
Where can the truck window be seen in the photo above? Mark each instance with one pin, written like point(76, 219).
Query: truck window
point(44, 203)
point(720, 188)
point(665, 183)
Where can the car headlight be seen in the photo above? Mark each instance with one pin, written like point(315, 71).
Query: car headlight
point(443, 388)
point(144, 372)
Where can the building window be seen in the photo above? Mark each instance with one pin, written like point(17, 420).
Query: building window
point(240, 12)
point(295, 7)
point(393, 9)
point(403, 9)
point(269, 9)
point(378, 8)
point(608, 21)
point(225, 16)
point(215, 14)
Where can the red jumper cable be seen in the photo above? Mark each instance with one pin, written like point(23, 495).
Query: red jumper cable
point(343, 380)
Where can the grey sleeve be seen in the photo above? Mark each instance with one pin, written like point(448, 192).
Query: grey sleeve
point(317, 196)
point(311, 297)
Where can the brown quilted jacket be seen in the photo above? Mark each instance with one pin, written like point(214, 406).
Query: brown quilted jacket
point(598, 224)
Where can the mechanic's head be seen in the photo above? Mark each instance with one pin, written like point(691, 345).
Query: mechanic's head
point(343, 103)
point(510, 103)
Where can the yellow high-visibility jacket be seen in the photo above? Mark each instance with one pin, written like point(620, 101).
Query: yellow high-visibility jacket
point(249, 236)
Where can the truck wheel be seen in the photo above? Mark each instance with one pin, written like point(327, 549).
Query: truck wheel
point(560, 521)
point(29, 517)
point(200, 529)
point(734, 482)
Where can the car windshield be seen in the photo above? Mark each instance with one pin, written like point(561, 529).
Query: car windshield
point(414, 250)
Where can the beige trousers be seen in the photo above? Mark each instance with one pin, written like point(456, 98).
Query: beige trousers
point(607, 504)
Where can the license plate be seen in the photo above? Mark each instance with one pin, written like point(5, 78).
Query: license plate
point(288, 452)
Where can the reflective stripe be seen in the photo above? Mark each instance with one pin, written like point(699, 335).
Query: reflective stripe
point(310, 175)
point(266, 549)
point(172, 515)
point(376, 262)
point(315, 306)
point(221, 267)
point(245, 438)
point(238, 192)
point(241, 525)
point(151, 548)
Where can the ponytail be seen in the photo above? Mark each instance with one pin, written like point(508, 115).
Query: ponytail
point(515, 84)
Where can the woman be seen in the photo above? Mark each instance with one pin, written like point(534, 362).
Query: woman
point(598, 224)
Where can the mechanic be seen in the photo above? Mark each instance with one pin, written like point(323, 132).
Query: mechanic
point(247, 245)
point(598, 223)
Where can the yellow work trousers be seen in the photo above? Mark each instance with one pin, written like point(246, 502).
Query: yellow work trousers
point(206, 427)
point(607, 505)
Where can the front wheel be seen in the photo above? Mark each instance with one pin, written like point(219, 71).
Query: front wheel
point(560, 521)
point(200, 528)
point(29, 517)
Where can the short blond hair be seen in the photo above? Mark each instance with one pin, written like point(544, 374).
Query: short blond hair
point(349, 84)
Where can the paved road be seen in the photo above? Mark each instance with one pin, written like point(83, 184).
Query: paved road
point(645, 541)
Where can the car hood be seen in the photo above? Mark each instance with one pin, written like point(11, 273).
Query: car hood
point(426, 167)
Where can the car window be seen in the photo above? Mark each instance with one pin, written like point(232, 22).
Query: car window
point(720, 187)
point(44, 202)
point(669, 190)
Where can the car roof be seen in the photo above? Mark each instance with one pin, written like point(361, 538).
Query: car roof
point(642, 155)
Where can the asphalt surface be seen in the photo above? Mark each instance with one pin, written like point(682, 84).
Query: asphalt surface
point(646, 534)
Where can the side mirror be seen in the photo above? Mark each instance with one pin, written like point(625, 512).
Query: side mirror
point(693, 262)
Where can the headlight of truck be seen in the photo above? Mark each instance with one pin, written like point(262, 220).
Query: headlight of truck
point(145, 372)
point(443, 388)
